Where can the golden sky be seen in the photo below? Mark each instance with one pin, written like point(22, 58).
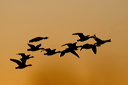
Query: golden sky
point(22, 20)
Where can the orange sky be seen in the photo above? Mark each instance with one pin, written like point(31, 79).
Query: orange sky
point(22, 20)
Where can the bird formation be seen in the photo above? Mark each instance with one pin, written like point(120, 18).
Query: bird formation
point(71, 48)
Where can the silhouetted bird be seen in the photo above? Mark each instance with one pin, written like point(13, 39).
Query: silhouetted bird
point(82, 37)
point(51, 52)
point(34, 48)
point(89, 46)
point(67, 51)
point(25, 56)
point(37, 39)
point(72, 45)
point(21, 64)
point(99, 42)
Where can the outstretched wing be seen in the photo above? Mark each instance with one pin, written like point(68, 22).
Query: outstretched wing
point(38, 45)
point(30, 45)
point(97, 39)
point(37, 39)
point(73, 52)
point(94, 49)
point(81, 35)
point(53, 50)
point(63, 53)
point(23, 55)
point(16, 61)
point(48, 50)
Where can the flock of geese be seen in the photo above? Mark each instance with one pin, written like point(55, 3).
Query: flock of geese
point(71, 48)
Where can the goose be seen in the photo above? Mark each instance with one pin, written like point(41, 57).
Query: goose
point(71, 45)
point(82, 36)
point(99, 42)
point(50, 52)
point(67, 51)
point(37, 39)
point(21, 64)
point(89, 46)
point(34, 48)
point(24, 56)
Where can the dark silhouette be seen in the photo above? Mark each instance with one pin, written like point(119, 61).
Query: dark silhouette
point(37, 39)
point(21, 64)
point(25, 56)
point(82, 36)
point(99, 42)
point(67, 51)
point(51, 52)
point(34, 48)
point(89, 46)
point(72, 46)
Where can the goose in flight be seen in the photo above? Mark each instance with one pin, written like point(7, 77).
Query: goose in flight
point(34, 48)
point(21, 63)
point(24, 56)
point(51, 52)
point(71, 46)
point(67, 51)
point(37, 39)
point(99, 42)
point(82, 36)
point(89, 46)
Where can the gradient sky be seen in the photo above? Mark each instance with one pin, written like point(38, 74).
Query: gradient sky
point(22, 20)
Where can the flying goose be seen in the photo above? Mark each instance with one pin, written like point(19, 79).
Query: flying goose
point(99, 42)
point(21, 63)
point(51, 52)
point(82, 36)
point(34, 48)
point(67, 51)
point(89, 46)
point(72, 46)
point(37, 39)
